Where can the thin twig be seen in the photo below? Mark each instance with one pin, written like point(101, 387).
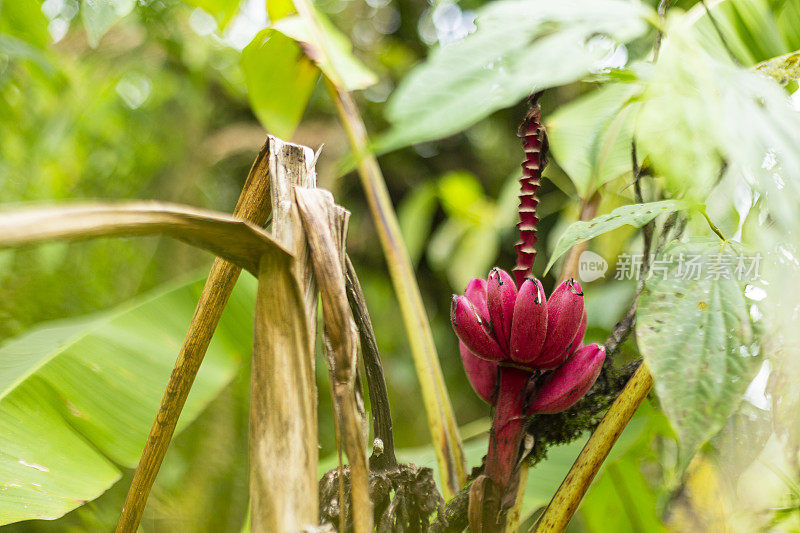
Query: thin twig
point(622, 330)
point(680, 227)
point(663, 6)
point(253, 205)
point(647, 231)
point(666, 230)
point(713, 226)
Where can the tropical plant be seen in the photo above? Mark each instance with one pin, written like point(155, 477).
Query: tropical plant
point(659, 143)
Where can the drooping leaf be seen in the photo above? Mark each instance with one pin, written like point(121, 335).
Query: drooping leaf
point(591, 137)
point(750, 28)
point(234, 239)
point(636, 215)
point(280, 80)
point(694, 329)
point(337, 61)
point(520, 47)
point(99, 15)
point(222, 10)
point(705, 114)
point(76, 395)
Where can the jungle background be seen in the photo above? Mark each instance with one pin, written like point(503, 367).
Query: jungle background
point(168, 100)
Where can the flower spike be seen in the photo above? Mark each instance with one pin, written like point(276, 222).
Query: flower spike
point(535, 144)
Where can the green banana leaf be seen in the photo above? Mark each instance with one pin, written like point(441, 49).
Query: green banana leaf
point(77, 397)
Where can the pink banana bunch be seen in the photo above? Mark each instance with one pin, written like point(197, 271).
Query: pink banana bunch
point(508, 336)
point(523, 353)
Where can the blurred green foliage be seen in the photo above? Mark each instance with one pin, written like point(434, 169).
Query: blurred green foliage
point(169, 100)
point(86, 389)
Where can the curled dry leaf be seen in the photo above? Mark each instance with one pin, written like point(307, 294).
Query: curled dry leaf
point(321, 220)
point(240, 242)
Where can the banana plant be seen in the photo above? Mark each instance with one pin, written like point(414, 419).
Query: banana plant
point(283, 441)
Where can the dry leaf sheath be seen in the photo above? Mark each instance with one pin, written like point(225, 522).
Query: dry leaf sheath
point(283, 392)
point(342, 340)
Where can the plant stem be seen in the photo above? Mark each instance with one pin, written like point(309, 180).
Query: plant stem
point(649, 228)
point(713, 227)
point(507, 426)
point(341, 339)
point(569, 495)
point(283, 443)
point(663, 6)
point(253, 205)
point(495, 492)
point(588, 210)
